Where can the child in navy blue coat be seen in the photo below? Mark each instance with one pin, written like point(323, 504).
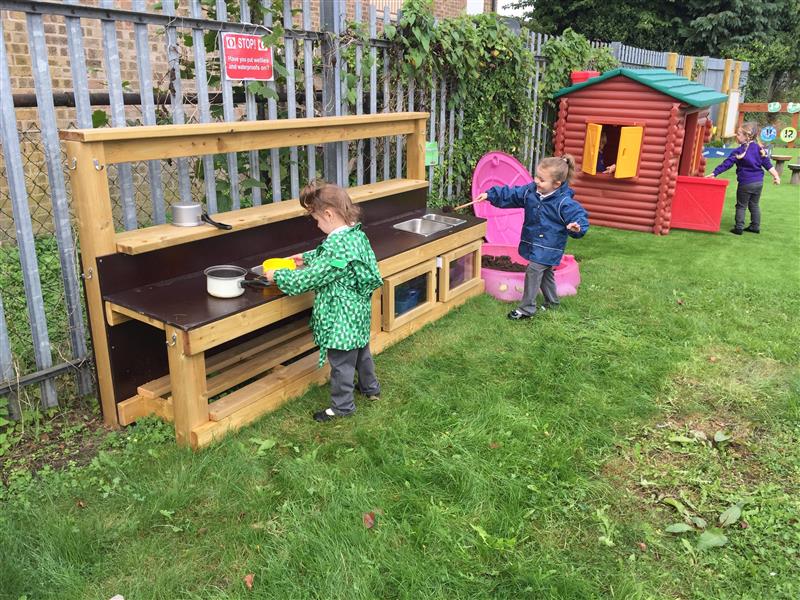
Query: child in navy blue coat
point(551, 214)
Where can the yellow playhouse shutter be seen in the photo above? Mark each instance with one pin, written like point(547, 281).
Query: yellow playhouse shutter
point(630, 146)
point(591, 148)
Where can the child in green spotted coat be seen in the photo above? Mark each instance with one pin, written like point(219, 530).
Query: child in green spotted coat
point(344, 272)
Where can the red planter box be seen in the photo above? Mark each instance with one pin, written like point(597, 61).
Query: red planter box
point(581, 76)
point(697, 203)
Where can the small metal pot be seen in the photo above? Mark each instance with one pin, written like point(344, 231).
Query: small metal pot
point(227, 281)
point(192, 214)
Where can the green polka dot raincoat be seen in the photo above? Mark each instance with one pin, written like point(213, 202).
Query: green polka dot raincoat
point(344, 272)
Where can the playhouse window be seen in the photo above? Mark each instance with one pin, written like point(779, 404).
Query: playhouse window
point(608, 145)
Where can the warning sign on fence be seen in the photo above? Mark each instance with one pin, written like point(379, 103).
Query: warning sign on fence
point(246, 57)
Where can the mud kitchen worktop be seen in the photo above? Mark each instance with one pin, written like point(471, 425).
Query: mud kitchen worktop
point(183, 302)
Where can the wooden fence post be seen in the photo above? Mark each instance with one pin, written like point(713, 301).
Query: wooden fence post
point(672, 61)
point(725, 88)
point(688, 63)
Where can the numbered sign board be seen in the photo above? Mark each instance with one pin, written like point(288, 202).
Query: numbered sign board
point(788, 134)
point(768, 133)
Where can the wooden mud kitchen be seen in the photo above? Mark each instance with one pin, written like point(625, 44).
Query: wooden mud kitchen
point(164, 346)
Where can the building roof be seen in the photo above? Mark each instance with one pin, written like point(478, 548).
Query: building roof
point(660, 80)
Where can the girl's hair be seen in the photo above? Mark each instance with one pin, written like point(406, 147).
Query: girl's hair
point(319, 195)
point(562, 168)
point(751, 131)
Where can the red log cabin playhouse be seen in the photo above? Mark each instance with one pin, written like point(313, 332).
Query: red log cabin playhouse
point(651, 124)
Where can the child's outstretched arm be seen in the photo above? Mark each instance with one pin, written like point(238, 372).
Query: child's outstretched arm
point(776, 178)
point(727, 163)
point(318, 274)
point(308, 257)
point(576, 218)
point(503, 196)
point(766, 164)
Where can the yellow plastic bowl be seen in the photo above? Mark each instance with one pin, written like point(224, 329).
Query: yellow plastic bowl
point(273, 264)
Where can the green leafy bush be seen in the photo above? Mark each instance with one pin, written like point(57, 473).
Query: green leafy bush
point(571, 52)
point(487, 70)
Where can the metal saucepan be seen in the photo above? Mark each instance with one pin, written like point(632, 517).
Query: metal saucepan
point(228, 281)
point(191, 214)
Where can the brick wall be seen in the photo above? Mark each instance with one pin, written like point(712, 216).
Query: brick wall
point(16, 39)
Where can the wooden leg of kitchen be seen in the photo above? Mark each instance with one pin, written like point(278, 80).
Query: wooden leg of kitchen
point(189, 394)
point(375, 323)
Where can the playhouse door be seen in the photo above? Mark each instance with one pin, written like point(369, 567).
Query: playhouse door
point(692, 145)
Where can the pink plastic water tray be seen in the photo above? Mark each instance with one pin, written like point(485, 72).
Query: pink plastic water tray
point(504, 227)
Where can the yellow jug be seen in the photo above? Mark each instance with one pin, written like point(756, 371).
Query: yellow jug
point(273, 264)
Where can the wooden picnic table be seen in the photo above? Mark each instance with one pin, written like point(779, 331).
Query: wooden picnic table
point(795, 169)
point(779, 160)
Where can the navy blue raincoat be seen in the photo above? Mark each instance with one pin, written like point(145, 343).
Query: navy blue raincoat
point(544, 232)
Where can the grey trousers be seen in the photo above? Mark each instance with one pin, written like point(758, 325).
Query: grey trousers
point(747, 197)
point(538, 276)
point(344, 365)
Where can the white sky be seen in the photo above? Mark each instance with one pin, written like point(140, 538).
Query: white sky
point(502, 10)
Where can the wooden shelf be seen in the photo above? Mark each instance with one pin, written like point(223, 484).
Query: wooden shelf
point(163, 236)
point(230, 357)
point(148, 133)
point(158, 142)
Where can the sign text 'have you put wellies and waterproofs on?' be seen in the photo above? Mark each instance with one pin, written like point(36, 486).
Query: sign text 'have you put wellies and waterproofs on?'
point(246, 57)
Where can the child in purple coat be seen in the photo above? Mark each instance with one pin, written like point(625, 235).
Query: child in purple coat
point(751, 160)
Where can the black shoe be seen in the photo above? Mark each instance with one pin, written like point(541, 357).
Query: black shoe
point(328, 415)
point(517, 315)
point(546, 307)
point(371, 397)
point(325, 415)
point(736, 231)
point(751, 230)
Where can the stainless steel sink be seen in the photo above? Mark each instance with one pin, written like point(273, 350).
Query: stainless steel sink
point(423, 227)
point(452, 221)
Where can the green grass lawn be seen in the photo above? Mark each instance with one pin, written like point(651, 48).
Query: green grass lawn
point(538, 459)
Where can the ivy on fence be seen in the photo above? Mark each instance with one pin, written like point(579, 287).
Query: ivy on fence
point(486, 69)
point(571, 52)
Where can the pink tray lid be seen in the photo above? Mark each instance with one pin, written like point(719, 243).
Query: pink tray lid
point(504, 225)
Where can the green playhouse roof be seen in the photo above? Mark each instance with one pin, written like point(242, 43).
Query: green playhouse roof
point(661, 80)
